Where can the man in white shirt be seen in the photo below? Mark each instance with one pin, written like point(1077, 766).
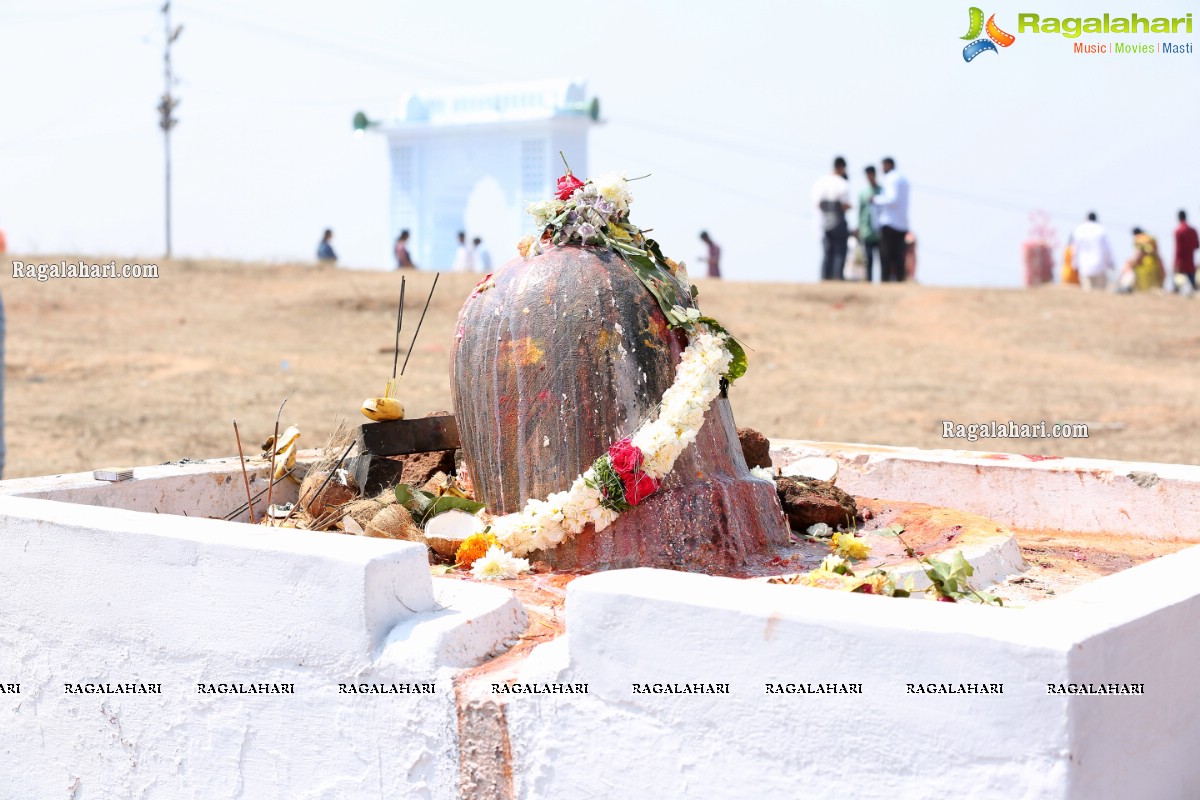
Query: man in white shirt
point(464, 256)
point(831, 196)
point(1091, 254)
point(892, 204)
point(482, 258)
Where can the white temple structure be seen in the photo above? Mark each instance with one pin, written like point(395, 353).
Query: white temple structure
point(472, 159)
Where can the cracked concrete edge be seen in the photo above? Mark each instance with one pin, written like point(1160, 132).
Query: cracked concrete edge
point(1035, 492)
point(469, 624)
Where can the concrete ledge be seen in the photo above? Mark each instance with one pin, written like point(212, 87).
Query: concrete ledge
point(993, 560)
point(1077, 494)
point(471, 623)
point(648, 626)
point(210, 488)
point(109, 596)
point(198, 586)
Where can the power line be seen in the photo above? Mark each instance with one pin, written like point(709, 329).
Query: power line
point(353, 52)
point(791, 157)
point(72, 16)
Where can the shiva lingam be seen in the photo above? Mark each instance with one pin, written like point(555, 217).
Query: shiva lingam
point(591, 400)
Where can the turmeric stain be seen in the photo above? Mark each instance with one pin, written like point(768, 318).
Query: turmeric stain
point(522, 352)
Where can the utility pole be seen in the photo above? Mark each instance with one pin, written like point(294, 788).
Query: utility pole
point(166, 107)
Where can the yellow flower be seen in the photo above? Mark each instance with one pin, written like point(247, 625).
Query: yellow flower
point(824, 579)
point(875, 583)
point(473, 548)
point(617, 232)
point(847, 545)
point(615, 189)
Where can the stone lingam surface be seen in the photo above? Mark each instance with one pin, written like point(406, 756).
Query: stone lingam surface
point(560, 355)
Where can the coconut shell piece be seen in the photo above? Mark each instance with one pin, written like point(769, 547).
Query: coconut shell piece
point(394, 522)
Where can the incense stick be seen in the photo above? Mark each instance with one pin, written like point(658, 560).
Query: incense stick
point(422, 319)
point(245, 477)
point(399, 325)
point(244, 506)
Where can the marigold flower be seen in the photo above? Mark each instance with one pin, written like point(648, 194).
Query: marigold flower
point(847, 545)
point(473, 548)
point(529, 246)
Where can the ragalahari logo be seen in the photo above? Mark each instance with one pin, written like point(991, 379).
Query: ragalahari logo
point(995, 36)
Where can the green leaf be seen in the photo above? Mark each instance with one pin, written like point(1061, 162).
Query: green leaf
point(422, 499)
point(404, 494)
point(984, 597)
point(961, 567)
point(739, 365)
point(656, 281)
point(447, 502)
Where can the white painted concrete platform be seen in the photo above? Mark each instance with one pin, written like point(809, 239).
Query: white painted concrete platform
point(92, 592)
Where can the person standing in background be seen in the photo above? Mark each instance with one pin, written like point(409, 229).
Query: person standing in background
point(464, 257)
point(713, 259)
point(910, 256)
point(831, 196)
point(403, 258)
point(482, 258)
point(2, 452)
point(325, 254)
point(1144, 270)
point(3, 249)
point(868, 226)
point(1070, 276)
point(892, 205)
point(1186, 245)
point(1091, 254)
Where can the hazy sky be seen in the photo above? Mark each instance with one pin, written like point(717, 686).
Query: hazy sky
point(735, 108)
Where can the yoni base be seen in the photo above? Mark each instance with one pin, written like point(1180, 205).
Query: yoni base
point(706, 526)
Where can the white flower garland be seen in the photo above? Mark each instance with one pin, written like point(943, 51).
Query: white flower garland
point(544, 524)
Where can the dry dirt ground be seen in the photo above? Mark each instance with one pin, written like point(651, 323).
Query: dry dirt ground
point(135, 372)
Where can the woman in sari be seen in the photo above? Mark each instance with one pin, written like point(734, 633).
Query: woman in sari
point(1145, 265)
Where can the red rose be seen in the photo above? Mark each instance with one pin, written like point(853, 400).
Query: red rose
point(567, 185)
point(626, 458)
point(638, 486)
